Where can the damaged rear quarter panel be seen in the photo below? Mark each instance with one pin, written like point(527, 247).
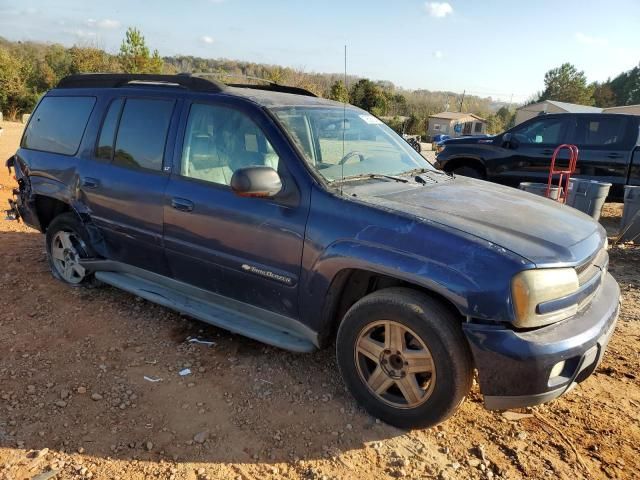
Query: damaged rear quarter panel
point(38, 174)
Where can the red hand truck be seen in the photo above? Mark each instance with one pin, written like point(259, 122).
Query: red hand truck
point(565, 173)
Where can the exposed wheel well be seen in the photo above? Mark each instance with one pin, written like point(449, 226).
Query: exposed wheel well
point(466, 162)
point(350, 285)
point(48, 208)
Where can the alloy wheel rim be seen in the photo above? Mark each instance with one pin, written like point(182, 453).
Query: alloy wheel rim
point(65, 256)
point(395, 364)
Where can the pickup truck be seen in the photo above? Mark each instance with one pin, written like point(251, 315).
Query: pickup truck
point(306, 224)
point(608, 150)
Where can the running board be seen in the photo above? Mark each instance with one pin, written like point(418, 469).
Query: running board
point(232, 315)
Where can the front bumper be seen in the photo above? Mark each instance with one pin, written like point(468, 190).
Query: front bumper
point(514, 367)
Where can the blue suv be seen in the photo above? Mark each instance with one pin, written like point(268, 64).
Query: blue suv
point(304, 223)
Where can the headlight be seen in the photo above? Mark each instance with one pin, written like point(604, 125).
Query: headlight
point(531, 288)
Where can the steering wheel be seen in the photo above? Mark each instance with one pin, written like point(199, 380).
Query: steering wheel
point(352, 153)
point(522, 138)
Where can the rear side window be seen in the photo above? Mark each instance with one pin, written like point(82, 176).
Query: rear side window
point(104, 150)
point(601, 131)
point(142, 133)
point(58, 124)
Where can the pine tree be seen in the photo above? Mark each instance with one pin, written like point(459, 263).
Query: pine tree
point(134, 54)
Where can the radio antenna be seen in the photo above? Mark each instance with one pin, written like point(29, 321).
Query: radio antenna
point(344, 118)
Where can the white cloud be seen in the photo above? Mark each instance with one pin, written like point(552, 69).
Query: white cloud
point(438, 9)
point(206, 39)
point(16, 11)
point(106, 23)
point(80, 33)
point(438, 54)
point(589, 39)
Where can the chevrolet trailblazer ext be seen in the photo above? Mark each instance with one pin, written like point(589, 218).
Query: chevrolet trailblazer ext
point(298, 222)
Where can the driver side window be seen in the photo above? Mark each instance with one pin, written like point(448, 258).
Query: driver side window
point(219, 140)
point(542, 131)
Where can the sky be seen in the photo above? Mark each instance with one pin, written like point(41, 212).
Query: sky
point(493, 48)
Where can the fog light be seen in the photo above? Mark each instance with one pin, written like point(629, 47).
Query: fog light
point(557, 369)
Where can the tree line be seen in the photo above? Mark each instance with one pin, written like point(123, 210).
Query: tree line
point(568, 84)
point(28, 69)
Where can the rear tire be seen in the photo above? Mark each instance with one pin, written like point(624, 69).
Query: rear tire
point(403, 356)
point(468, 171)
point(67, 242)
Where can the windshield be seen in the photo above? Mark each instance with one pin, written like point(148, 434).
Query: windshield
point(370, 147)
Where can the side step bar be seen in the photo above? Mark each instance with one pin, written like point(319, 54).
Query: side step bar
point(232, 315)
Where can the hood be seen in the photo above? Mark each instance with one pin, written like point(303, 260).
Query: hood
point(536, 228)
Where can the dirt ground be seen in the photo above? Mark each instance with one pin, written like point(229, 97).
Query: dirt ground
point(74, 399)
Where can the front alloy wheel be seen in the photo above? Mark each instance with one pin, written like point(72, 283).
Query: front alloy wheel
point(404, 357)
point(395, 364)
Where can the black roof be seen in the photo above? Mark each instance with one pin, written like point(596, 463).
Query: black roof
point(269, 98)
point(267, 95)
point(115, 80)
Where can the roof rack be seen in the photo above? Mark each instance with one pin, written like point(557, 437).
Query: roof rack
point(275, 88)
point(270, 84)
point(115, 80)
point(189, 81)
point(233, 75)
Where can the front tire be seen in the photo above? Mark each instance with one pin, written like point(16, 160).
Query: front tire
point(403, 356)
point(467, 171)
point(67, 242)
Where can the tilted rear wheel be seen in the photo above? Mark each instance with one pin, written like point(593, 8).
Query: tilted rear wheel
point(404, 357)
point(67, 243)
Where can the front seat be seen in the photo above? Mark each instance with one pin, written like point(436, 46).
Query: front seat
point(206, 162)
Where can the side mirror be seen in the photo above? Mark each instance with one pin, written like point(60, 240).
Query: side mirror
point(508, 141)
point(256, 182)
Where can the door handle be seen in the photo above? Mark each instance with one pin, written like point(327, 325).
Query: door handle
point(182, 204)
point(614, 155)
point(89, 182)
point(547, 151)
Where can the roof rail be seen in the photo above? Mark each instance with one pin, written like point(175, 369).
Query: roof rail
point(270, 84)
point(115, 80)
point(233, 75)
point(275, 88)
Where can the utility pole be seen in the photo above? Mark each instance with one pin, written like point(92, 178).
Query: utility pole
point(462, 100)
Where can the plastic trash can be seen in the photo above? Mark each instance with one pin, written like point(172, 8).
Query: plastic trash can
point(630, 225)
point(588, 196)
point(541, 189)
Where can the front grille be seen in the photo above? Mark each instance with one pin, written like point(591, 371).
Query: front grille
point(590, 275)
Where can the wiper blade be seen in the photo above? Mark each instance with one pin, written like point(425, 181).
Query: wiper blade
point(417, 171)
point(372, 176)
